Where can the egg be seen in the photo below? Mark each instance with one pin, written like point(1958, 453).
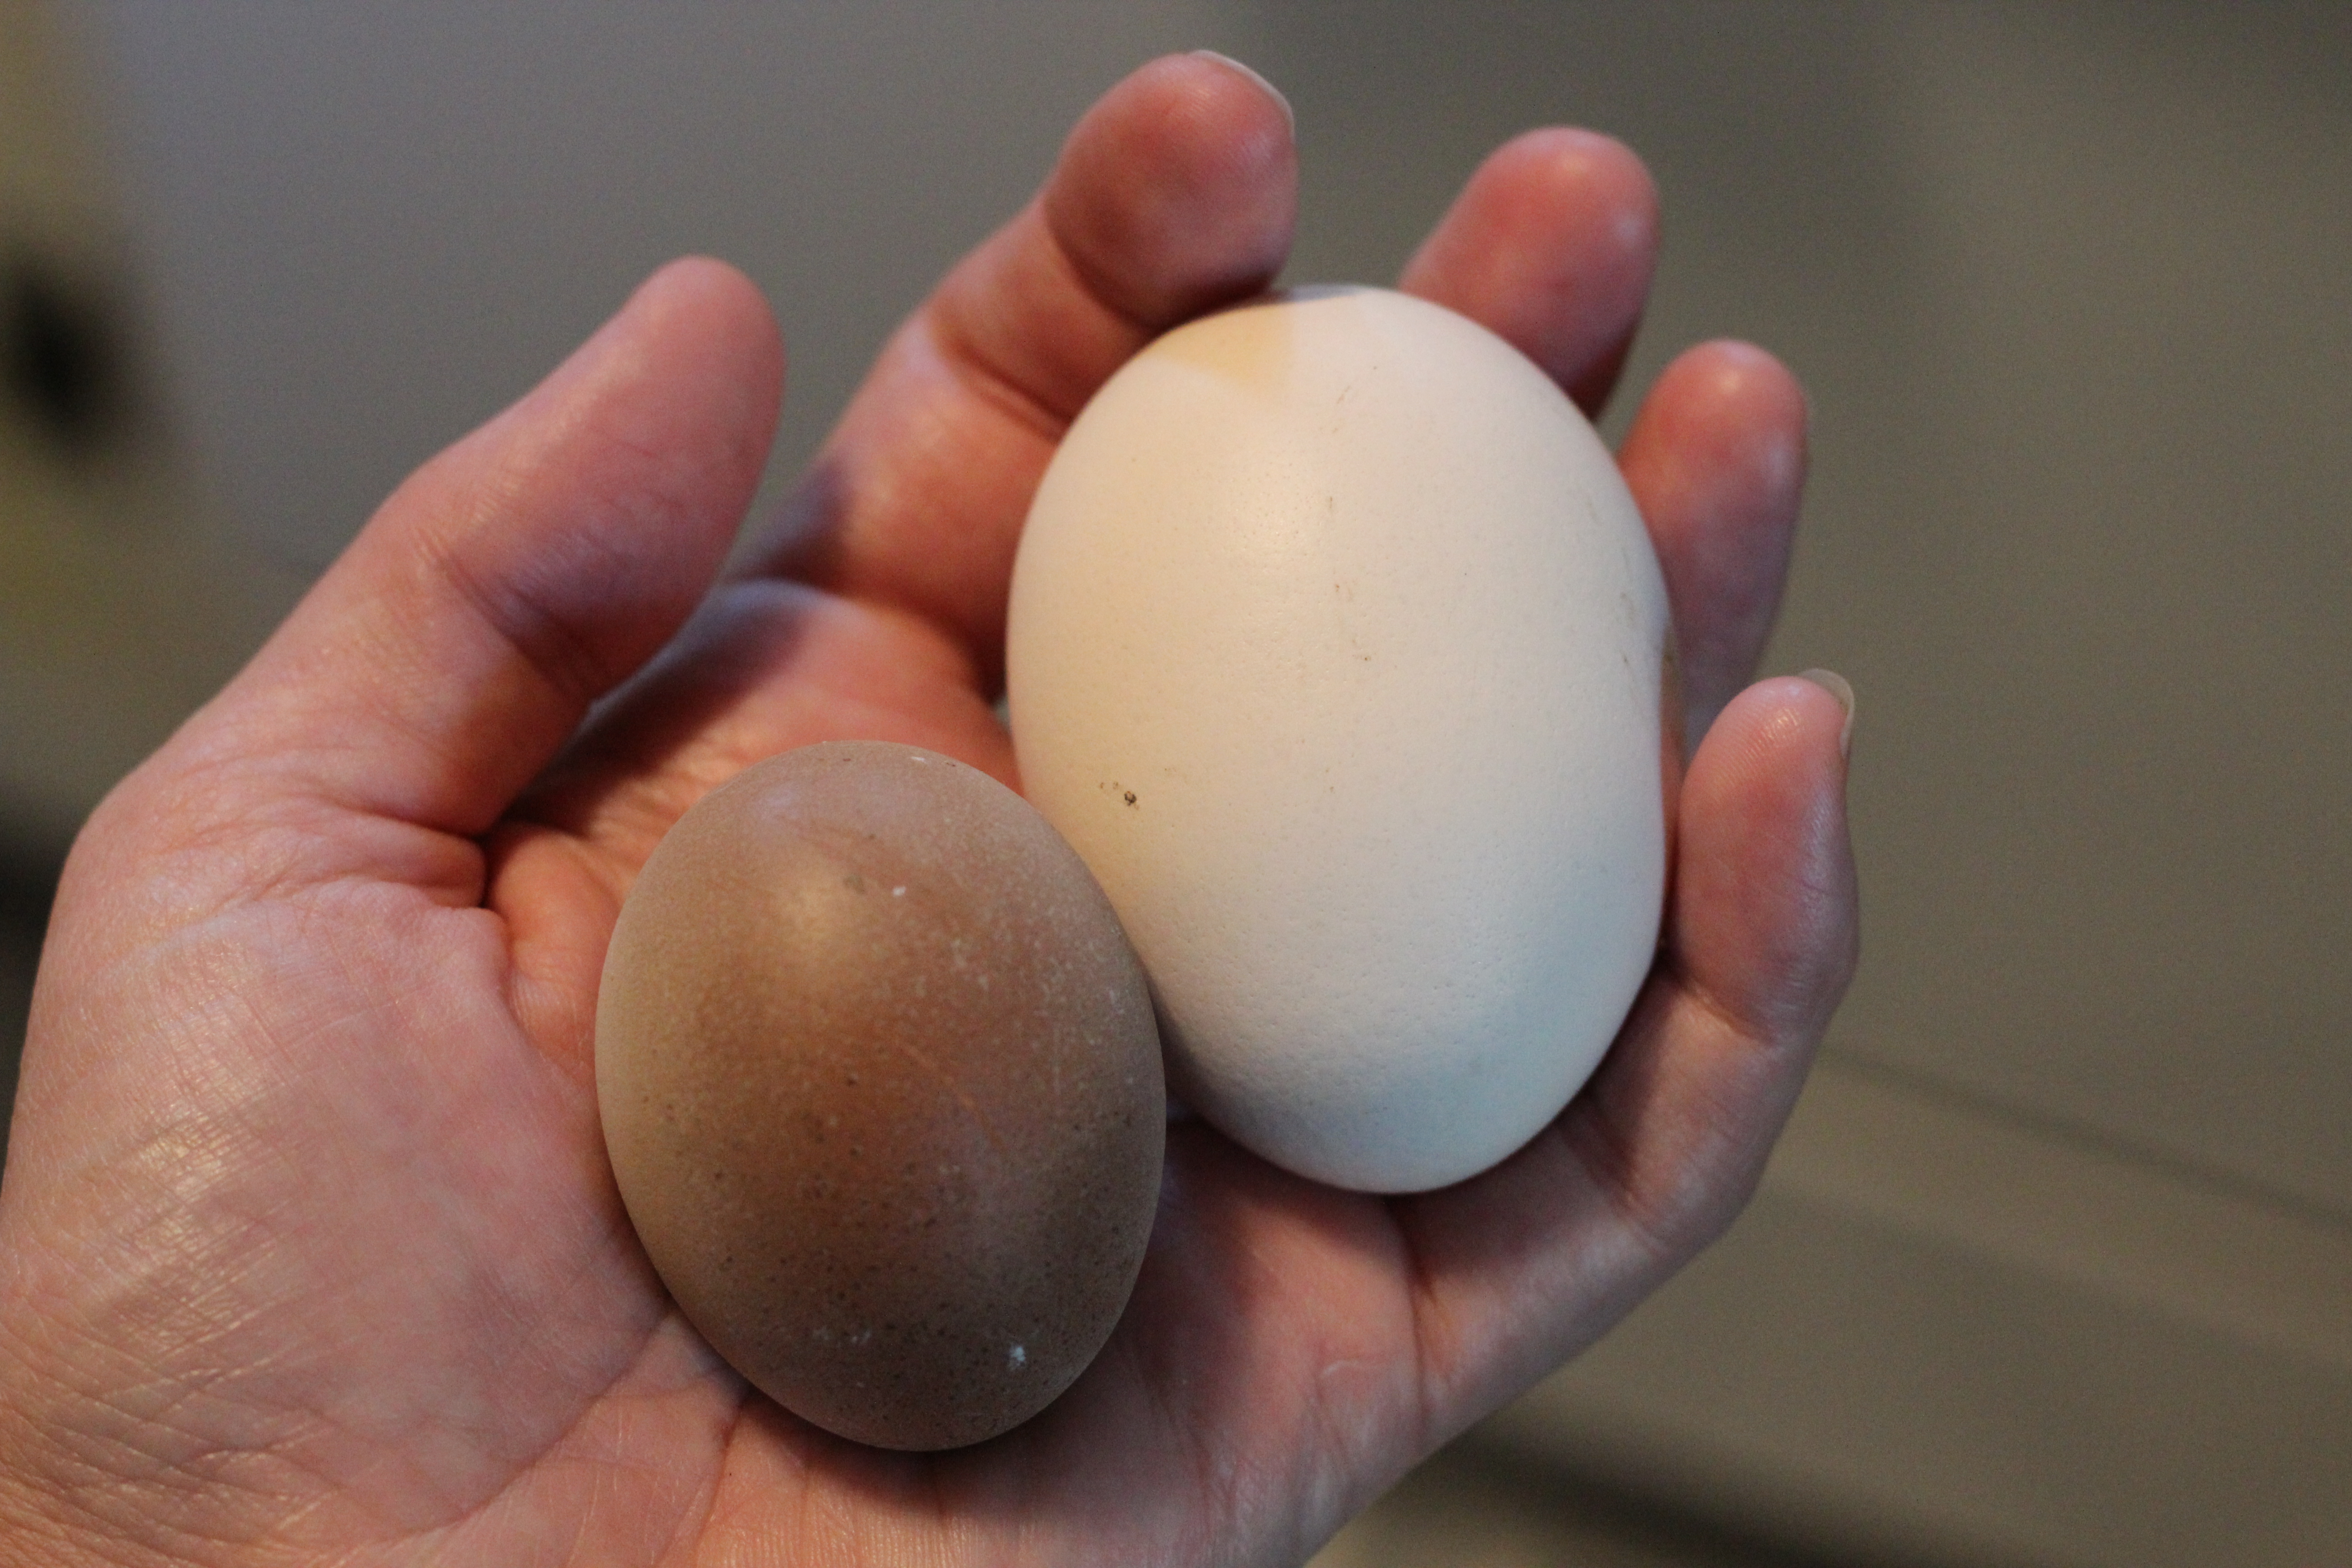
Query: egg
point(881, 1088)
point(1338, 650)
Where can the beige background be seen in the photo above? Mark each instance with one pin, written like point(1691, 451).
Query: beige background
point(2056, 1266)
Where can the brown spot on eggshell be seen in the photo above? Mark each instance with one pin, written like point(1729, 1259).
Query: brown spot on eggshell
point(882, 1092)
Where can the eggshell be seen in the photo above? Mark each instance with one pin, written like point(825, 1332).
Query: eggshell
point(1336, 648)
point(882, 1092)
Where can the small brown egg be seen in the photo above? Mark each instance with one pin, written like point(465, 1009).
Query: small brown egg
point(881, 1087)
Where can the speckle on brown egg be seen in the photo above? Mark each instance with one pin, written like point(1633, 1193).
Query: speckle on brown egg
point(881, 1087)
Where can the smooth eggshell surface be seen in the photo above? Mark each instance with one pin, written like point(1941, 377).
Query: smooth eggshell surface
point(882, 1092)
point(1336, 648)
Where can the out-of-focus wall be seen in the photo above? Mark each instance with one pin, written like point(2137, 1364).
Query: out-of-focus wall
point(121, 605)
point(2055, 1265)
point(372, 228)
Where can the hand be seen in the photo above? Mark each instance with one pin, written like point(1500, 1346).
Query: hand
point(308, 1248)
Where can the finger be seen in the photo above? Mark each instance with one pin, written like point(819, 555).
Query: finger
point(1551, 245)
point(512, 580)
point(1717, 461)
point(1528, 1264)
point(1174, 194)
point(1762, 927)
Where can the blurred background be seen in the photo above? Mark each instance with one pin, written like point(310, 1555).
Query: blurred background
point(2055, 1265)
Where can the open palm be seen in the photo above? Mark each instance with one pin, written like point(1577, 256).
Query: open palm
point(308, 1251)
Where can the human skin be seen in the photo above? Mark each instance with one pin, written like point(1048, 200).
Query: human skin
point(308, 1249)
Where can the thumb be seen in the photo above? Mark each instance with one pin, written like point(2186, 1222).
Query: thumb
point(444, 658)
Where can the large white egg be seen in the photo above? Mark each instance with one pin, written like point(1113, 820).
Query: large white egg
point(1336, 650)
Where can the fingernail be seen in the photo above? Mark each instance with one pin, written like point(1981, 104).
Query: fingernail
point(1839, 686)
point(1271, 90)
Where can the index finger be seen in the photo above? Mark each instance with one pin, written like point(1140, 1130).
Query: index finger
point(1175, 193)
